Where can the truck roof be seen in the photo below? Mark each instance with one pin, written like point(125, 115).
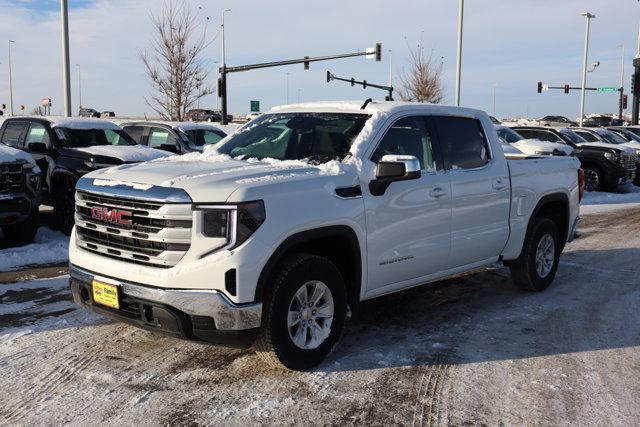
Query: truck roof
point(385, 107)
point(70, 122)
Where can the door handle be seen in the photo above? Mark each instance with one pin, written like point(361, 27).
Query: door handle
point(437, 192)
point(499, 184)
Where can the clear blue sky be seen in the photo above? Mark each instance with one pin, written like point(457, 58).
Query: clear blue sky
point(511, 43)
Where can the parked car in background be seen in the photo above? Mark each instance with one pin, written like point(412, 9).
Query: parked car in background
point(532, 146)
point(634, 129)
point(556, 121)
point(607, 136)
point(606, 166)
point(602, 120)
point(252, 115)
point(175, 137)
point(628, 133)
point(20, 194)
point(65, 149)
point(199, 115)
point(279, 254)
point(107, 114)
point(89, 112)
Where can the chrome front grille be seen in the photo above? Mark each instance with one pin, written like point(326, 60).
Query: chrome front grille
point(11, 177)
point(148, 233)
point(628, 161)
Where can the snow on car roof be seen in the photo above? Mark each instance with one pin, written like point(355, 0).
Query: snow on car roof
point(81, 123)
point(384, 107)
point(177, 125)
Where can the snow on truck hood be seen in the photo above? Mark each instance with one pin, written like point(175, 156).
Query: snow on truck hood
point(530, 146)
point(213, 177)
point(126, 153)
point(10, 154)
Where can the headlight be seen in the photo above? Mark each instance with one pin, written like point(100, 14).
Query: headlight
point(27, 166)
point(97, 165)
point(234, 223)
point(543, 153)
point(612, 156)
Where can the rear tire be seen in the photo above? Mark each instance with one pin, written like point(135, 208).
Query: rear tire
point(536, 267)
point(23, 232)
point(284, 340)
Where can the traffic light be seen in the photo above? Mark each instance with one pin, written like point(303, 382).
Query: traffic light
point(306, 63)
point(378, 52)
point(566, 88)
point(4, 106)
point(21, 107)
point(328, 76)
point(624, 102)
point(539, 87)
point(219, 86)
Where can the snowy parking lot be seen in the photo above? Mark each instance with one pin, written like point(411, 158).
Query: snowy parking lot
point(467, 350)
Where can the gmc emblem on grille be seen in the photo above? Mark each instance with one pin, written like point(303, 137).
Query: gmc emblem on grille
point(111, 215)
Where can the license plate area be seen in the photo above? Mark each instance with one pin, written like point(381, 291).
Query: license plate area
point(105, 294)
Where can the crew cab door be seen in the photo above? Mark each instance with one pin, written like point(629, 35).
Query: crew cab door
point(480, 190)
point(408, 233)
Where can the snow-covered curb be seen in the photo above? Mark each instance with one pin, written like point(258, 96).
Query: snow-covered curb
point(627, 196)
point(48, 247)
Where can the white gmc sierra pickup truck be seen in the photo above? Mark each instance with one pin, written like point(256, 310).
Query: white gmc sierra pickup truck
point(277, 233)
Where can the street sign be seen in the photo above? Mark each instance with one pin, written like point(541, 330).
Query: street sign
point(255, 106)
point(545, 88)
point(46, 102)
point(608, 89)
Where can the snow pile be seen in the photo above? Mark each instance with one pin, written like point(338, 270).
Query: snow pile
point(49, 247)
point(627, 196)
point(81, 123)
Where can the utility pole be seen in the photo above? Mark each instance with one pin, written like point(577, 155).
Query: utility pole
point(287, 90)
point(621, 83)
point(64, 12)
point(222, 87)
point(636, 85)
point(390, 69)
point(589, 16)
point(10, 80)
point(79, 89)
point(459, 65)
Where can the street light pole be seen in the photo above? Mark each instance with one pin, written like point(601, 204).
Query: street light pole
point(390, 69)
point(65, 57)
point(589, 16)
point(223, 76)
point(459, 65)
point(10, 80)
point(79, 89)
point(621, 83)
point(287, 89)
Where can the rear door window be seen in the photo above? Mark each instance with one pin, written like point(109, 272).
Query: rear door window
point(37, 134)
point(159, 137)
point(14, 133)
point(463, 142)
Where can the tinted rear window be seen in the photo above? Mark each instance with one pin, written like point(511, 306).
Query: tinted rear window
point(14, 133)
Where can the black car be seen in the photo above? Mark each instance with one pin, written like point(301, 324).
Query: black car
point(597, 121)
point(66, 149)
point(107, 114)
point(605, 166)
point(198, 115)
point(89, 112)
point(20, 195)
point(175, 137)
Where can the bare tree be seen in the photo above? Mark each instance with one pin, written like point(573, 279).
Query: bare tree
point(173, 63)
point(37, 111)
point(423, 81)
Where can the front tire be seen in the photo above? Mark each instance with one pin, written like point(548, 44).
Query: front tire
point(536, 267)
point(65, 205)
point(23, 232)
point(593, 179)
point(304, 313)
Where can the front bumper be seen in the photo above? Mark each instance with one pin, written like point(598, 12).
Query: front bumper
point(205, 315)
point(17, 207)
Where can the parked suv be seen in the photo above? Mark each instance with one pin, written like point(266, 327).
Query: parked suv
point(89, 112)
point(606, 166)
point(175, 137)
point(274, 237)
point(66, 149)
point(597, 121)
point(20, 195)
point(198, 115)
point(556, 121)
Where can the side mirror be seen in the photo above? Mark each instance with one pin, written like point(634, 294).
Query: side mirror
point(170, 147)
point(392, 168)
point(37, 147)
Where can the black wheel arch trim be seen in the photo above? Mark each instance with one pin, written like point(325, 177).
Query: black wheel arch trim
point(341, 231)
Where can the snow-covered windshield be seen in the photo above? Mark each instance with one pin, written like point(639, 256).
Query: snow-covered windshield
point(198, 138)
point(610, 137)
point(315, 137)
point(508, 135)
point(573, 137)
point(76, 138)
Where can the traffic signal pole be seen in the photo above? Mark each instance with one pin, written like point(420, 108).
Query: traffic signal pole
point(636, 91)
point(362, 83)
point(224, 70)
